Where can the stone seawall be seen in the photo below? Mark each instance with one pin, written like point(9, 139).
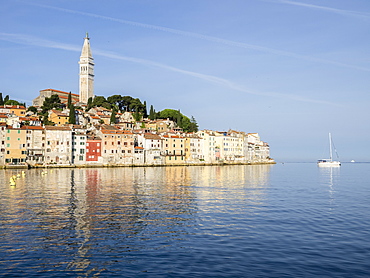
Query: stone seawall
point(224, 163)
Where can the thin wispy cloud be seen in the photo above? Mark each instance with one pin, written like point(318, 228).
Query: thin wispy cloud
point(327, 9)
point(209, 38)
point(34, 41)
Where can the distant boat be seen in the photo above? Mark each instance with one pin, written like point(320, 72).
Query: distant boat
point(353, 160)
point(329, 162)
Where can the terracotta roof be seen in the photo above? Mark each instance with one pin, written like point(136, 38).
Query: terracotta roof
point(60, 114)
point(32, 127)
point(108, 131)
point(172, 136)
point(50, 127)
point(53, 90)
point(152, 136)
point(13, 107)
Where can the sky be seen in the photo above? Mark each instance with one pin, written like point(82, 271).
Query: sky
point(292, 71)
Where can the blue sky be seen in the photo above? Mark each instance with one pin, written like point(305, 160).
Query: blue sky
point(293, 71)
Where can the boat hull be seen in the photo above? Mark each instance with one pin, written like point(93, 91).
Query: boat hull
point(328, 164)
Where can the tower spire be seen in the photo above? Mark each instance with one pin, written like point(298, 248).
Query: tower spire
point(86, 71)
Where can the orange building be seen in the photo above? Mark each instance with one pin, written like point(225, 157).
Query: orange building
point(17, 110)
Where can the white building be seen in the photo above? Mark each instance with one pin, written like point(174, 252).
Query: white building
point(211, 153)
point(152, 148)
point(79, 148)
point(58, 145)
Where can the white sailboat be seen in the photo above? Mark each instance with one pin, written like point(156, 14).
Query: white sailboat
point(329, 162)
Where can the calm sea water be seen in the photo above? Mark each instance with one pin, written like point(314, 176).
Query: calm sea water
point(284, 220)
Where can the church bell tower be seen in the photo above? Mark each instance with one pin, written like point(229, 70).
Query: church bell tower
point(86, 72)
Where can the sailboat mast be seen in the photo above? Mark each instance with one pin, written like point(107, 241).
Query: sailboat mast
point(330, 147)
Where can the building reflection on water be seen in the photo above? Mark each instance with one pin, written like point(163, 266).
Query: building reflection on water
point(77, 214)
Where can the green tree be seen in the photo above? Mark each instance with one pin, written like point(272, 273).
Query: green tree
point(181, 120)
point(1, 99)
point(69, 103)
point(137, 116)
point(72, 115)
point(100, 101)
point(33, 109)
point(145, 111)
point(46, 120)
point(6, 98)
point(193, 125)
point(13, 102)
point(125, 103)
point(89, 103)
point(151, 113)
point(51, 103)
point(136, 106)
point(113, 117)
point(170, 114)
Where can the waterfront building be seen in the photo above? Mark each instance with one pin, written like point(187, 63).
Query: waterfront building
point(235, 143)
point(79, 140)
point(193, 148)
point(152, 148)
point(35, 144)
point(2, 143)
point(174, 149)
point(16, 152)
point(86, 72)
point(117, 146)
point(58, 145)
point(211, 152)
point(93, 149)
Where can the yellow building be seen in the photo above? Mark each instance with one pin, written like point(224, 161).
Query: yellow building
point(174, 148)
point(58, 117)
point(16, 152)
